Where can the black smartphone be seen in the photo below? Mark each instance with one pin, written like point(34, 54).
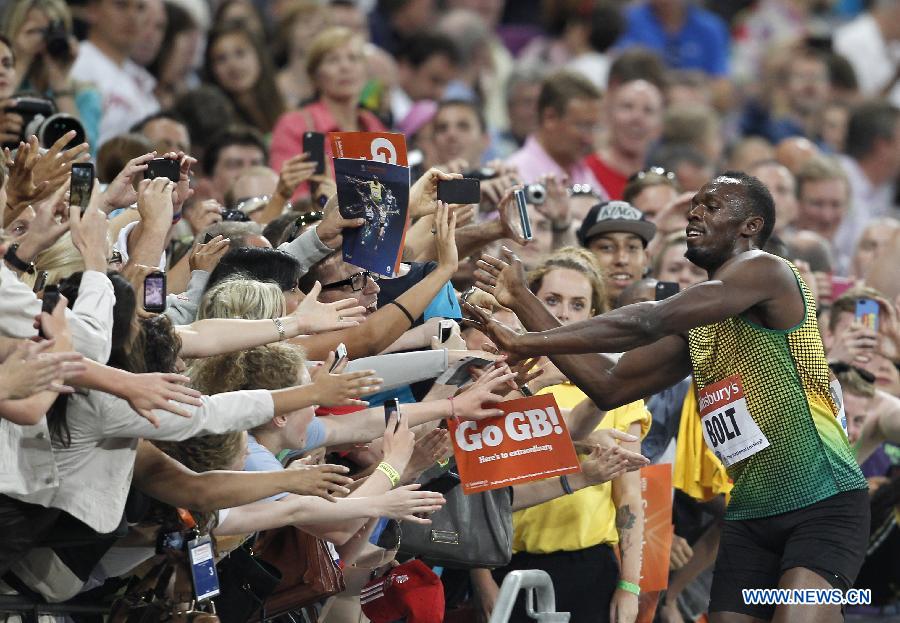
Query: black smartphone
point(314, 145)
point(446, 330)
point(442, 484)
point(41, 280)
point(522, 205)
point(665, 289)
point(390, 407)
point(464, 191)
point(340, 355)
point(155, 292)
point(81, 184)
point(163, 167)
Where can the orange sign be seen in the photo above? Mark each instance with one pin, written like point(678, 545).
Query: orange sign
point(529, 442)
point(656, 493)
point(377, 146)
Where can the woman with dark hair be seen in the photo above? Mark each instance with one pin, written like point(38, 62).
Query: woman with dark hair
point(173, 66)
point(239, 64)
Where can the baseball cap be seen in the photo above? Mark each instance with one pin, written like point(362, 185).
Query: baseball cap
point(411, 591)
point(616, 217)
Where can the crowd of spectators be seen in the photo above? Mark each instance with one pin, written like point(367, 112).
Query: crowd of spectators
point(231, 405)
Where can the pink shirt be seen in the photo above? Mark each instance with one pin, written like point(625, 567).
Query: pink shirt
point(533, 161)
point(287, 136)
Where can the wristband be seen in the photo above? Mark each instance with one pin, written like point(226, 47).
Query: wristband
point(629, 587)
point(388, 470)
point(280, 326)
point(564, 481)
point(442, 463)
point(405, 312)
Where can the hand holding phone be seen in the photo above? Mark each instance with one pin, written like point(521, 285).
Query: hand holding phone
point(155, 292)
point(524, 219)
point(867, 313)
point(445, 330)
point(314, 145)
point(163, 167)
point(390, 407)
point(41, 281)
point(340, 355)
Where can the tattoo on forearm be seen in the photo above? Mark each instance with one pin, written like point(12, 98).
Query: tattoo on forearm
point(625, 518)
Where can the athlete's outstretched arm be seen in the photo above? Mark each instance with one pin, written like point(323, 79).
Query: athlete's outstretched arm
point(757, 280)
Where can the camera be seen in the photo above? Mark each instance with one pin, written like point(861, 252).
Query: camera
point(484, 173)
point(56, 41)
point(535, 194)
point(39, 117)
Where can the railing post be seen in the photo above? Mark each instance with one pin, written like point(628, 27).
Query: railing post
point(539, 585)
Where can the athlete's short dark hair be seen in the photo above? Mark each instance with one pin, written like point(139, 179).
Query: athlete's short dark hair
point(758, 201)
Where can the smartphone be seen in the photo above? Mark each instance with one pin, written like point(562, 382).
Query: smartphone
point(390, 407)
point(41, 280)
point(522, 205)
point(81, 184)
point(340, 355)
point(207, 238)
point(867, 313)
point(314, 145)
point(839, 285)
point(464, 191)
point(48, 303)
point(155, 292)
point(665, 289)
point(163, 167)
point(446, 330)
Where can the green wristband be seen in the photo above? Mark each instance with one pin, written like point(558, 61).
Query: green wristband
point(629, 587)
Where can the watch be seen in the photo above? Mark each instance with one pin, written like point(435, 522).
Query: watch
point(15, 262)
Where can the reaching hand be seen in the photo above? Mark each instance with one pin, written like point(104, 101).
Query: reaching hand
point(183, 190)
point(49, 224)
point(494, 189)
point(120, 192)
point(433, 447)
point(445, 238)
point(313, 316)
point(30, 369)
point(608, 463)
point(203, 215)
point(423, 194)
point(330, 230)
point(855, 345)
point(55, 165)
point(206, 256)
point(146, 392)
point(90, 233)
point(333, 389)
point(504, 279)
point(505, 338)
point(681, 553)
point(22, 186)
point(325, 481)
point(398, 442)
point(294, 172)
point(407, 503)
point(488, 390)
point(155, 200)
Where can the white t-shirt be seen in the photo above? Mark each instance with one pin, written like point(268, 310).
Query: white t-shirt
point(874, 60)
point(127, 89)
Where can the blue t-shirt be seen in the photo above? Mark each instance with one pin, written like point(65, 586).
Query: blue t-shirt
point(702, 43)
point(261, 459)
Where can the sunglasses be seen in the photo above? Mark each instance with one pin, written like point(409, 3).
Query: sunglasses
point(356, 282)
point(302, 221)
point(839, 367)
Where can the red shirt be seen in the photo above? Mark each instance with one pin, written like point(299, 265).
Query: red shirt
point(613, 181)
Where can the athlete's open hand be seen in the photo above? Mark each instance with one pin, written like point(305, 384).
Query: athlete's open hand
point(505, 338)
point(504, 277)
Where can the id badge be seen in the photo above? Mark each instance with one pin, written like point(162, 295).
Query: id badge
point(203, 568)
point(728, 427)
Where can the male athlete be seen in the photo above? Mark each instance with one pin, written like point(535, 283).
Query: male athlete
point(799, 512)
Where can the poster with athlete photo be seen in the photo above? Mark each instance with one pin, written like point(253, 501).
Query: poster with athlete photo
point(379, 193)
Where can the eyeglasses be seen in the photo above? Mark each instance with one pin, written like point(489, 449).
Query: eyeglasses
point(302, 221)
point(356, 282)
point(657, 171)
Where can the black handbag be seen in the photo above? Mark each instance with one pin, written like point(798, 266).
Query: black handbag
point(245, 581)
point(469, 532)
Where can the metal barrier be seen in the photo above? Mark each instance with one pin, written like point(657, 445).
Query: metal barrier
point(537, 583)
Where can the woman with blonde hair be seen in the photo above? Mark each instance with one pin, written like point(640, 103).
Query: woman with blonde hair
point(573, 538)
point(336, 66)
